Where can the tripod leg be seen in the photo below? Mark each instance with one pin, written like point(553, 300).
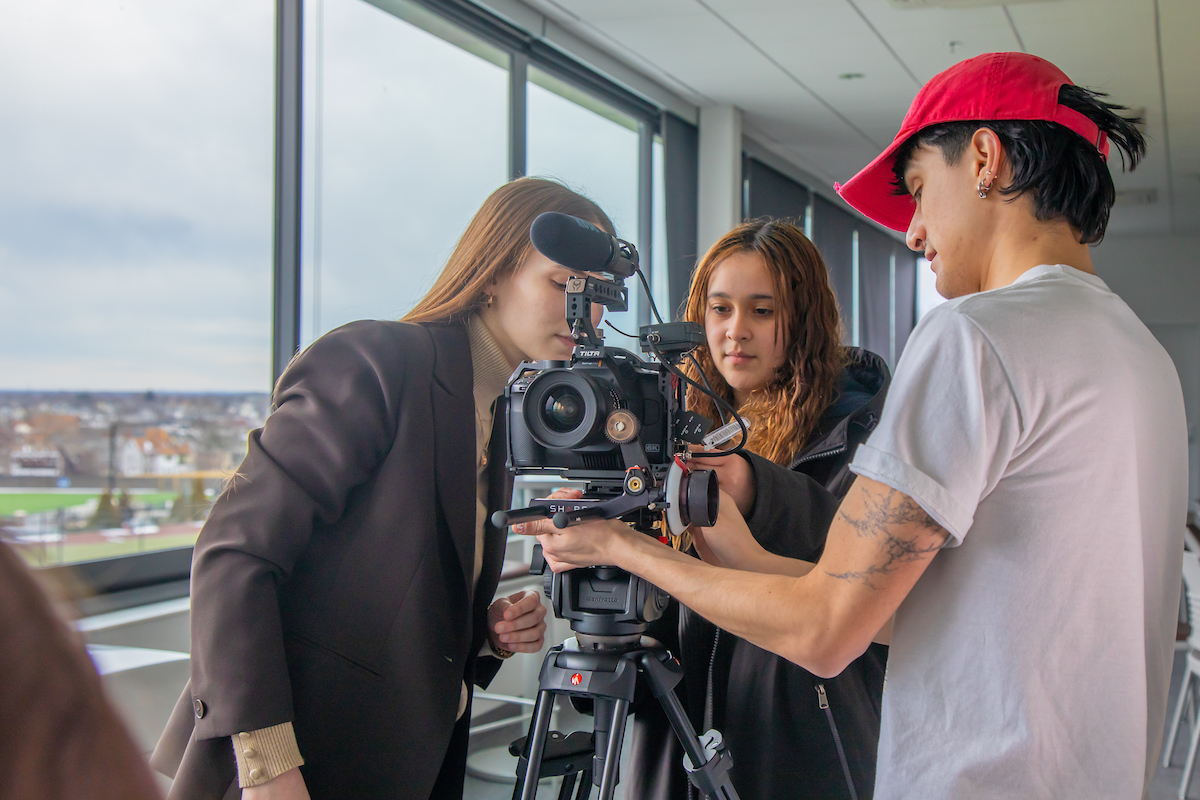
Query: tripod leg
point(715, 774)
point(683, 728)
point(568, 784)
point(616, 738)
point(585, 785)
point(539, 726)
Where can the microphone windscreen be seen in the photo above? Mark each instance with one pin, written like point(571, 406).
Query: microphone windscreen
point(572, 242)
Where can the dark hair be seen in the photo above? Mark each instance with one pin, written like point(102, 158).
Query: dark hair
point(1065, 174)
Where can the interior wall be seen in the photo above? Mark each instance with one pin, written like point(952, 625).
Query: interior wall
point(1159, 277)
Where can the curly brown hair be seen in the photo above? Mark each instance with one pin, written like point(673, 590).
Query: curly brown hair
point(784, 413)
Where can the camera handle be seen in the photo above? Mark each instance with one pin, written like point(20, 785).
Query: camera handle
point(566, 513)
point(609, 676)
point(581, 293)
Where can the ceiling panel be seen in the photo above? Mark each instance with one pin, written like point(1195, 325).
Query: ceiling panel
point(780, 61)
point(805, 50)
point(929, 40)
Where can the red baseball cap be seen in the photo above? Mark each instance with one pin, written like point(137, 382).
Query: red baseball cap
point(994, 86)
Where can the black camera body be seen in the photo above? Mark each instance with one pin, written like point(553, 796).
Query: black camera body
point(559, 411)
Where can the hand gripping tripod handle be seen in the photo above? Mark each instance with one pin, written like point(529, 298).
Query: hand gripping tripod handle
point(565, 519)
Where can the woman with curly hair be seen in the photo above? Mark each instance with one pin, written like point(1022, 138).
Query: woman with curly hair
point(774, 353)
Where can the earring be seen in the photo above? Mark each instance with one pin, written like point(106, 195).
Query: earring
point(488, 300)
point(984, 188)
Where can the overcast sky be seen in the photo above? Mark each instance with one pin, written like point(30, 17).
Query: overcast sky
point(136, 145)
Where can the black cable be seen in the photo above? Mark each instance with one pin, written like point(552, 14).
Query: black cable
point(708, 386)
point(721, 401)
point(610, 326)
point(649, 296)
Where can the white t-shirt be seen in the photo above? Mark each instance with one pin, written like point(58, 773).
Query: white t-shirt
point(1042, 425)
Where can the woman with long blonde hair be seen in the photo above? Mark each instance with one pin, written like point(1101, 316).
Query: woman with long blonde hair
point(774, 353)
point(342, 586)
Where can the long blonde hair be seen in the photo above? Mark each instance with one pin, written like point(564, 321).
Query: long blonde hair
point(784, 413)
point(495, 243)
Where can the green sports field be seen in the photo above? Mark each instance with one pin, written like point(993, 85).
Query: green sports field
point(35, 502)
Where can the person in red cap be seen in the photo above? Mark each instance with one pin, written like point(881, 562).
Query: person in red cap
point(1016, 521)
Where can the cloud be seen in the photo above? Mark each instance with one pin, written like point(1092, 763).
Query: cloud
point(136, 144)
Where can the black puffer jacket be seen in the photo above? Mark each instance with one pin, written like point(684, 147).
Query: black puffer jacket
point(792, 735)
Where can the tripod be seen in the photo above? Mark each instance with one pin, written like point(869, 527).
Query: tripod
point(607, 669)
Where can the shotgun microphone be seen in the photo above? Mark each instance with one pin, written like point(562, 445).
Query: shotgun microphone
point(580, 245)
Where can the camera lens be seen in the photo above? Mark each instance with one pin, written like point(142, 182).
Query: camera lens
point(563, 410)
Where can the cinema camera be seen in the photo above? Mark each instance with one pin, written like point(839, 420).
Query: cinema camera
point(620, 424)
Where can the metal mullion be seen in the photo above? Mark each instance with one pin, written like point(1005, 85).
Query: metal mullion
point(285, 330)
point(892, 310)
point(645, 199)
point(855, 294)
point(518, 114)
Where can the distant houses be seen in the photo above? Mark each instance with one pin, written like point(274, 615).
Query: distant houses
point(155, 452)
point(32, 462)
point(85, 436)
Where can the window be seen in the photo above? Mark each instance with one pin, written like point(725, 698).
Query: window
point(592, 148)
point(136, 226)
point(927, 294)
point(406, 136)
point(659, 278)
point(135, 266)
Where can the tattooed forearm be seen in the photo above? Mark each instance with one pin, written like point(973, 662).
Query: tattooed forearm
point(905, 532)
point(888, 507)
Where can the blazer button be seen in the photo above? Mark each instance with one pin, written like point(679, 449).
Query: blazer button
point(199, 707)
point(255, 774)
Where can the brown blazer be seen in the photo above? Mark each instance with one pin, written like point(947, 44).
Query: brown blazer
point(331, 584)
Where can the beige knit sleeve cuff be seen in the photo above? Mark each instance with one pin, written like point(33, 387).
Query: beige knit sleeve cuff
point(265, 754)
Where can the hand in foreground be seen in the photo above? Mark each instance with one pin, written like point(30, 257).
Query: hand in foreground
point(517, 622)
point(285, 786)
point(584, 545)
point(729, 543)
point(734, 474)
